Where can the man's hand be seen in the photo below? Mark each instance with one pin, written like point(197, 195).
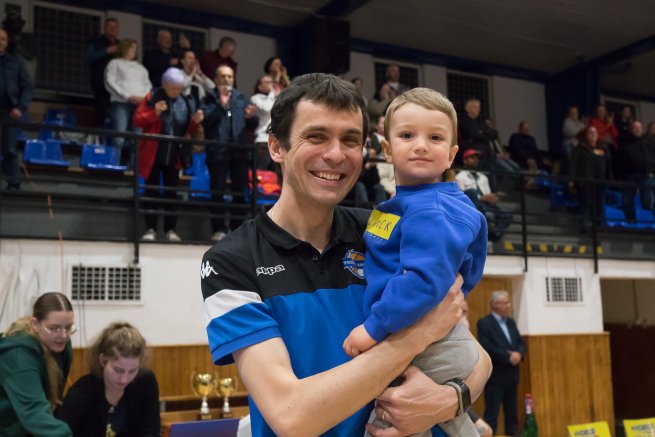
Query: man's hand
point(174, 61)
point(414, 406)
point(358, 341)
point(491, 198)
point(15, 114)
point(514, 358)
point(160, 107)
point(249, 111)
point(198, 117)
point(134, 100)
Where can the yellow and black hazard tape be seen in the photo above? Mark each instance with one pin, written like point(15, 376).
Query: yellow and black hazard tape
point(554, 248)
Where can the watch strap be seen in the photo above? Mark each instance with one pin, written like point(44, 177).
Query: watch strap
point(463, 394)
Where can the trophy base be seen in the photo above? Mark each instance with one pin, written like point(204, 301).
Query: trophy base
point(226, 415)
point(202, 416)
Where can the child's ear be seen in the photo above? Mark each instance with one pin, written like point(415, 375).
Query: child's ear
point(453, 152)
point(386, 149)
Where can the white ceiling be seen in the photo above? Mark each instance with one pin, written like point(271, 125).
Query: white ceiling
point(548, 36)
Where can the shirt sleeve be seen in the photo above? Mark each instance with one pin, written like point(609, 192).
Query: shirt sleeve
point(235, 314)
point(75, 407)
point(28, 400)
point(429, 271)
point(150, 419)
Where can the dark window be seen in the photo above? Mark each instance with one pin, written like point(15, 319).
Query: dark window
point(408, 75)
point(62, 37)
point(462, 87)
point(150, 30)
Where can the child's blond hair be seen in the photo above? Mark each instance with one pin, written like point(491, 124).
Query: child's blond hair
point(426, 98)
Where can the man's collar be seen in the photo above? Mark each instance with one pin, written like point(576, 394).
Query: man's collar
point(498, 317)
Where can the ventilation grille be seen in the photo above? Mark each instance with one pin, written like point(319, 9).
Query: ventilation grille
point(106, 284)
point(565, 290)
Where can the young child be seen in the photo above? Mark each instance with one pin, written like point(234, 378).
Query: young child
point(419, 240)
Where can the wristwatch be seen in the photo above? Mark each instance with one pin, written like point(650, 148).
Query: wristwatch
point(463, 394)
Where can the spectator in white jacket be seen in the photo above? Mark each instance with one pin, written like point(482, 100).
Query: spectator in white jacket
point(263, 98)
point(127, 82)
point(196, 83)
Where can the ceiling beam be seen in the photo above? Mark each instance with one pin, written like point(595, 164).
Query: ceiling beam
point(341, 8)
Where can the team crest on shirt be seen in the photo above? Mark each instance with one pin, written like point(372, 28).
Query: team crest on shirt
point(353, 261)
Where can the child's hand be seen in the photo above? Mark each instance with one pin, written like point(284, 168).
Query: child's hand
point(358, 341)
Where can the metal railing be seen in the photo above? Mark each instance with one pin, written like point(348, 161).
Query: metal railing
point(135, 200)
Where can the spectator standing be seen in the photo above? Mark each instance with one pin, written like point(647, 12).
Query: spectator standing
point(571, 128)
point(227, 112)
point(278, 72)
point(500, 337)
point(591, 160)
point(474, 134)
point(377, 106)
point(384, 169)
point(392, 80)
point(359, 87)
point(196, 84)
point(624, 126)
point(35, 358)
point(165, 111)
point(118, 397)
point(263, 99)
point(15, 96)
point(604, 123)
point(158, 60)
point(127, 82)
point(368, 190)
point(476, 186)
point(639, 168)
point(99, 52)
point(223, 55)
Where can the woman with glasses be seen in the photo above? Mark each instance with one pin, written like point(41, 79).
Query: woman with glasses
point(35, 358)
point(118, 397)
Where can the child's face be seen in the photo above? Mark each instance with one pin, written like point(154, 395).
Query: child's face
point(420, 144)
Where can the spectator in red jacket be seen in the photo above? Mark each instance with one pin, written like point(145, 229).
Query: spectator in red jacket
point(165, 111)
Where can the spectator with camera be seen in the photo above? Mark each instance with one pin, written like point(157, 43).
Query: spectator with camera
point(165, 111)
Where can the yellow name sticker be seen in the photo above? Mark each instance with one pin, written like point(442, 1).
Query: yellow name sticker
point(381, 224)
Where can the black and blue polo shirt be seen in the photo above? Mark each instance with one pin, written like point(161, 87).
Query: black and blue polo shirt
point(260, 282)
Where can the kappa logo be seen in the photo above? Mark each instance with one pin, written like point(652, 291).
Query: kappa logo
point(353, 261)
point(270, 270)
point(206, 270)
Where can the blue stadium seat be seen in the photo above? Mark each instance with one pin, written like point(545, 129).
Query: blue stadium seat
point(57, 117)
point(198, 165)
point(560, 196)
point(615, 217)
point(614, 198)
point(99, 157)
point(199, 187)
point(48, 153)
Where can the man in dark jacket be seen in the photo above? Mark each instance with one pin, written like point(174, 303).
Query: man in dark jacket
point(15, 96)
point(638, 167)
point(99, 52)
point(227, 114)
point(499, 336)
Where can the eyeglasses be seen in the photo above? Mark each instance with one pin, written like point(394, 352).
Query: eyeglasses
point(69, 330)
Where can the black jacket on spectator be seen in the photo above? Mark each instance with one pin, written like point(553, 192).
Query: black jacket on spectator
point(15, 84)
point(523, 147)
point(98, 58)
point(638, 156)
point(590, 162)
point(157, 62)
point(474, 134)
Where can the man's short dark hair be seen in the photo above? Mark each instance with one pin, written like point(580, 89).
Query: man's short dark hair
point(320, 88)
point(225, 40)
point(111, 20)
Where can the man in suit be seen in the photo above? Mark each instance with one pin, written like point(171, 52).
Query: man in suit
point(499, 336)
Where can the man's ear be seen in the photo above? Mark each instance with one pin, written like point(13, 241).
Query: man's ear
point(386, 149)
point(453, 152)
point(276, 149)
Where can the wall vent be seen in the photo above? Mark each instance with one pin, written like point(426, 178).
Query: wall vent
point(563, 289)
point(106, 283)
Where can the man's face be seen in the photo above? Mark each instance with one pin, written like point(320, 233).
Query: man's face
point(393, 73)
point(324, 157)
point(502, 306)
point(172, 90)
point(188, 61)
point(111, 29)
point(379, 127)
point(265, 84)
point(524, 128)
point(165, 40)
point(224, 76)
point(227, 50)
point(472, 161)
point(473, 108)
point(637, 129)
point(4, 40)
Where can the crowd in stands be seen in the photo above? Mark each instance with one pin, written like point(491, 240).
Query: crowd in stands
point(199, 98)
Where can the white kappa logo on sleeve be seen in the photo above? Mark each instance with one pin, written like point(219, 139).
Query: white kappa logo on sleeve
point(206, 270)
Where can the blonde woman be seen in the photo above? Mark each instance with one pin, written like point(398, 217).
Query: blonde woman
point(119, 396)
point(35, 358)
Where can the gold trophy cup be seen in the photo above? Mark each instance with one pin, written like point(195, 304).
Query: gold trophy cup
point(226, 386)
point(203, 385)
